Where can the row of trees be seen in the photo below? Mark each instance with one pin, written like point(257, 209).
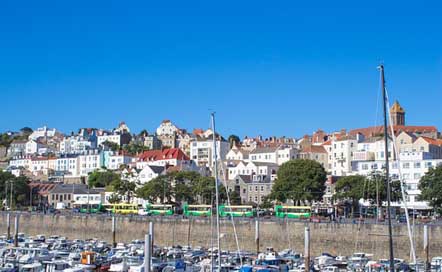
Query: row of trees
point(175, 187)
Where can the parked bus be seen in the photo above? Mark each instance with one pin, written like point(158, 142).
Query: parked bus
point(293, 211)
point(237, 211)
point(123, 208)
point(197, 210)
point(89, 208)
point(159, 209)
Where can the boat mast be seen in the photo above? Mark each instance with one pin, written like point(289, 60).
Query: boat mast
point(215, 169)
point(387, 169)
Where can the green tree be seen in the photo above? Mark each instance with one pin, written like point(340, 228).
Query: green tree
point(124, 187)
point(299, 180)
point(233, 139)
point(5, 140)
point(134, 149)
point(114, 199)
point(102, 179)
point(159, 188)
point(377, 188)
point(26, 131)
point(186, 186)
point(431, 188)
point(350, 188)
point(111, 145)
point(143, 133)
point(20, 189)
point(235, 198)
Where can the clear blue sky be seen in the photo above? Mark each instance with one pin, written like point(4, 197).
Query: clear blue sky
point(266, 67)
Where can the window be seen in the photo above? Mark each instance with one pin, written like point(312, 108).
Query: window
point(262, 188)
point(428, 165)
point(406, 165)
point(417, 175)
point(417, 165)
point(365, 166)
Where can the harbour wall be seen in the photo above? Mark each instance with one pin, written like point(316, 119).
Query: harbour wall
point(334, 238)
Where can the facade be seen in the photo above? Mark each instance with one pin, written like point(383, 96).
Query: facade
point(88, 162)
point(167, 133)
point(68, 164)
point(75, 145)
point(120, 139)
point(203, 154)
point(277, 155)
point(150, 172)
point(250, 189)
point(412, 166)
point(17, 148)
point(42, 132)
point(33, 146)
point(73, 194)
point(237, 154)
point(152, 142)
point(263, 170)
point(165, 157)
point(316, 153)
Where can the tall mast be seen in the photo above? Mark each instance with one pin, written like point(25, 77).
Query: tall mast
point(215, 169)
point(387, 170)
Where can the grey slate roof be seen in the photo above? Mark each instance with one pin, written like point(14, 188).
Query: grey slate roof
point(76, 188)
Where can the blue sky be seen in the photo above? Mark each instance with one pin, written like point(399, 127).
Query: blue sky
point(266, 67)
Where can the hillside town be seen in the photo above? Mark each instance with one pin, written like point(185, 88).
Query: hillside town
point(59, 165)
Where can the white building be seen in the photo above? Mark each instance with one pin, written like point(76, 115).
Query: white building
point(276, 155)
point(69, 164)
point(237, 154)
point(88, 162)
point(167, 128)
point(33, 146)
point(117, 159)
point(150, 172)
point(260, 170)
point(74, 145)
point(413, 166)
point(42, 132)
point(202, 152)
point(341, 155)
point(21, 162)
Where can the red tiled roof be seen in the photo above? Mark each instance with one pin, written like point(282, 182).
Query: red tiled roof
point(314, 149)
point(165, 154)
point(42, 188)
point(329, 142)
point(432, 141)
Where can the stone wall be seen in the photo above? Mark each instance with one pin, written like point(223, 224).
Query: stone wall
point(338, 239)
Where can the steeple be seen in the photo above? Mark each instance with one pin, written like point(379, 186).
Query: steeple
point(397, 114)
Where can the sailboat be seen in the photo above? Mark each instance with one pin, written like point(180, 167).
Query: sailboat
point(387, 170)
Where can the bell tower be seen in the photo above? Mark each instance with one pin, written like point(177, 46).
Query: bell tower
point(397, 114)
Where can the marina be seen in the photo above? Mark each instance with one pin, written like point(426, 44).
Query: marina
point(56, 253)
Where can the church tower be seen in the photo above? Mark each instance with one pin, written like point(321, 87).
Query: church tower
point(397, 114)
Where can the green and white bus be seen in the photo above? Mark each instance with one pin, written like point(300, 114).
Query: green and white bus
point(89, 208)
point(159, 209)
point(197, 210)
point(237, 211)
point(299, 212)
